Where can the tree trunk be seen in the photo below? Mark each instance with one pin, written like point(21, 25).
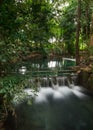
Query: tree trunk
point(78, 31)
point(91, 32)
point(87, 21)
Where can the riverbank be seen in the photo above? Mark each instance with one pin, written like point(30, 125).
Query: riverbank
point(85, 73)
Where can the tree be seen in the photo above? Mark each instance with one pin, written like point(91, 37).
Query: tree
point(41, 15)
point(78, 31)
point(68, 27)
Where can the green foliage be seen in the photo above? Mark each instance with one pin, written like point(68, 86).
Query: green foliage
point(68, 27)
point(31, 23)
point(85, 20)
point(10, 85)
point(28, 22)
point(90, 50)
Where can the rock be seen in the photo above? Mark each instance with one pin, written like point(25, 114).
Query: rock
point(90, 82)
point(83, 77)
point(2, 125)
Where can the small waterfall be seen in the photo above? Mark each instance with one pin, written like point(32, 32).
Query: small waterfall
point(63, 81)
point(57, 105)
point(46, 82)
point(60, 108)
point(56, 81)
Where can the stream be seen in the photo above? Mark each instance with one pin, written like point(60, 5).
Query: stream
point(58, 103)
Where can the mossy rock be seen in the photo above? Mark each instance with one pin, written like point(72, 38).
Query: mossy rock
point(90, 82)
point(82, 78)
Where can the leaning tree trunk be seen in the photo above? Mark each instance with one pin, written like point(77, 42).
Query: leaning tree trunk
point(78, 31)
